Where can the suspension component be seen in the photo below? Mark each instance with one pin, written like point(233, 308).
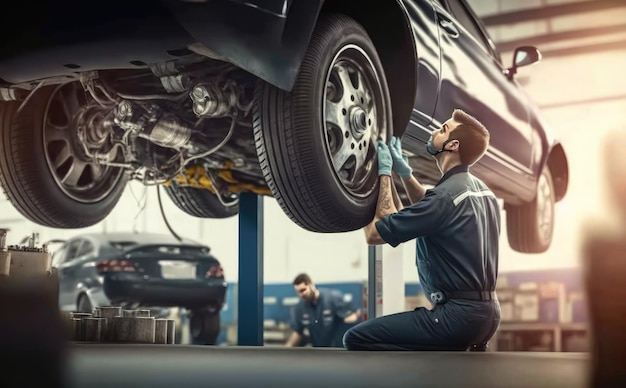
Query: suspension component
point(165, 131)
point(211, 101)
point(133, 117)
point(197, 177)
point(171, 79)
point(93, 127)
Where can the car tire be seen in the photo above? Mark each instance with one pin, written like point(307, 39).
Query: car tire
point(530, 226)
point(320, 167)
point(199, 202)
point(33, 182)
point(204, 326)
point(84, 305)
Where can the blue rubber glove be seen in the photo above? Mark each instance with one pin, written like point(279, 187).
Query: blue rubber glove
point(385, 161)
point(400, 162)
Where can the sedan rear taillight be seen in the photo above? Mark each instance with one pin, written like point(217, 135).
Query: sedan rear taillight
point(215, 272)
point(116, 266)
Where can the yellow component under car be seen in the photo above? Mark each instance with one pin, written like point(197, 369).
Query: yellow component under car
point(197, 177)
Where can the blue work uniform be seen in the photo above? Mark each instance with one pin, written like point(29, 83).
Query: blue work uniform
point(457, 227)
point(324, 318)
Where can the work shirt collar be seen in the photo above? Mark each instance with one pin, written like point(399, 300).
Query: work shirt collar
point(452, 171)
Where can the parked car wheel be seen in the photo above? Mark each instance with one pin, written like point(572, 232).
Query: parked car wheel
point(204, 326)
point(44, 172)
point(201, 203)
point(530, 226)
point(317, 143)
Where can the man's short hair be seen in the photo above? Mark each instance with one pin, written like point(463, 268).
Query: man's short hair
point(472, 136)
point(302, 278)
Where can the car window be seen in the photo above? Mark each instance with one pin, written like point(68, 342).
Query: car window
point(72, 249)
point(484, 32)
point(462, 15)
point(85, 249)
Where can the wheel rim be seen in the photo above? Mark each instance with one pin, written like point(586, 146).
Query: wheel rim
point(354, 112)
point(77, 176)
point(545, 208)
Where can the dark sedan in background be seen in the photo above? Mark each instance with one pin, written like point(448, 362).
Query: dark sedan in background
point(282, 98)
point(136, 270)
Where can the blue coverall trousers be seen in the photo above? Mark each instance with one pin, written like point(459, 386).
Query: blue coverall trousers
point(456, 325)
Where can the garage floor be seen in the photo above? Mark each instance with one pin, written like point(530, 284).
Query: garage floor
point(119, 365)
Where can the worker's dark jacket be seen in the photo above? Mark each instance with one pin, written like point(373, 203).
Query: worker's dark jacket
point(457, 227)
point(324, 319)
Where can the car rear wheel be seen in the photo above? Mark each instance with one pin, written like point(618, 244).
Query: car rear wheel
point(530, 226)
point(44, 170)
point(202, 203)
point(204, 326)
point(317, 143)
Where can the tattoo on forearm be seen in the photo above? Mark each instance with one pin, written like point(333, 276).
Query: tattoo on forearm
point(384, 200)
point(385, 203)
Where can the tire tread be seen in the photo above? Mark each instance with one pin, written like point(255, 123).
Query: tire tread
point(198, 202)
point(281, 122)
point(521, 223)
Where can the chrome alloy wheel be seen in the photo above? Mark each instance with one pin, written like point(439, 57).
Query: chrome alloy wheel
point(354, 119)
point(75, 174)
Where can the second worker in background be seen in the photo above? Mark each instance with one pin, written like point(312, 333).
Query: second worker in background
point(324, 313)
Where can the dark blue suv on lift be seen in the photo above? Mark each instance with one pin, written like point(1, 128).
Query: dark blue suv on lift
point(135, 270)
point(282, 98)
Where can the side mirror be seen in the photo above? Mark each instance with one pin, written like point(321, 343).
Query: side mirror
point(523, 56)
point(526, 55)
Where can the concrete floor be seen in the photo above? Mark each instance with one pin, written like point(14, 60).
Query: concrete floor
point(121, 365)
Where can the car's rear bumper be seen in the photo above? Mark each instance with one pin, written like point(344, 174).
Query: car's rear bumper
point(194, 293)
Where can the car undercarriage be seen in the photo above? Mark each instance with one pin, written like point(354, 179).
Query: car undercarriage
point(191, 126)
point(185, 124)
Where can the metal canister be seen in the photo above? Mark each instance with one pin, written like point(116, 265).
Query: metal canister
point(3, 239)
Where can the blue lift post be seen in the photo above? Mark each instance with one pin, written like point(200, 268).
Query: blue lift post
point(250, 283)
point(374, 281)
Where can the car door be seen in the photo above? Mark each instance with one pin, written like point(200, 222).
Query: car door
point(474, 80)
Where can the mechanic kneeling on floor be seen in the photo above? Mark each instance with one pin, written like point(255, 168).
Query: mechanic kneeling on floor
point(457, 227)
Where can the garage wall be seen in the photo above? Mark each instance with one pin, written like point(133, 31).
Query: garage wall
point(582, 97)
